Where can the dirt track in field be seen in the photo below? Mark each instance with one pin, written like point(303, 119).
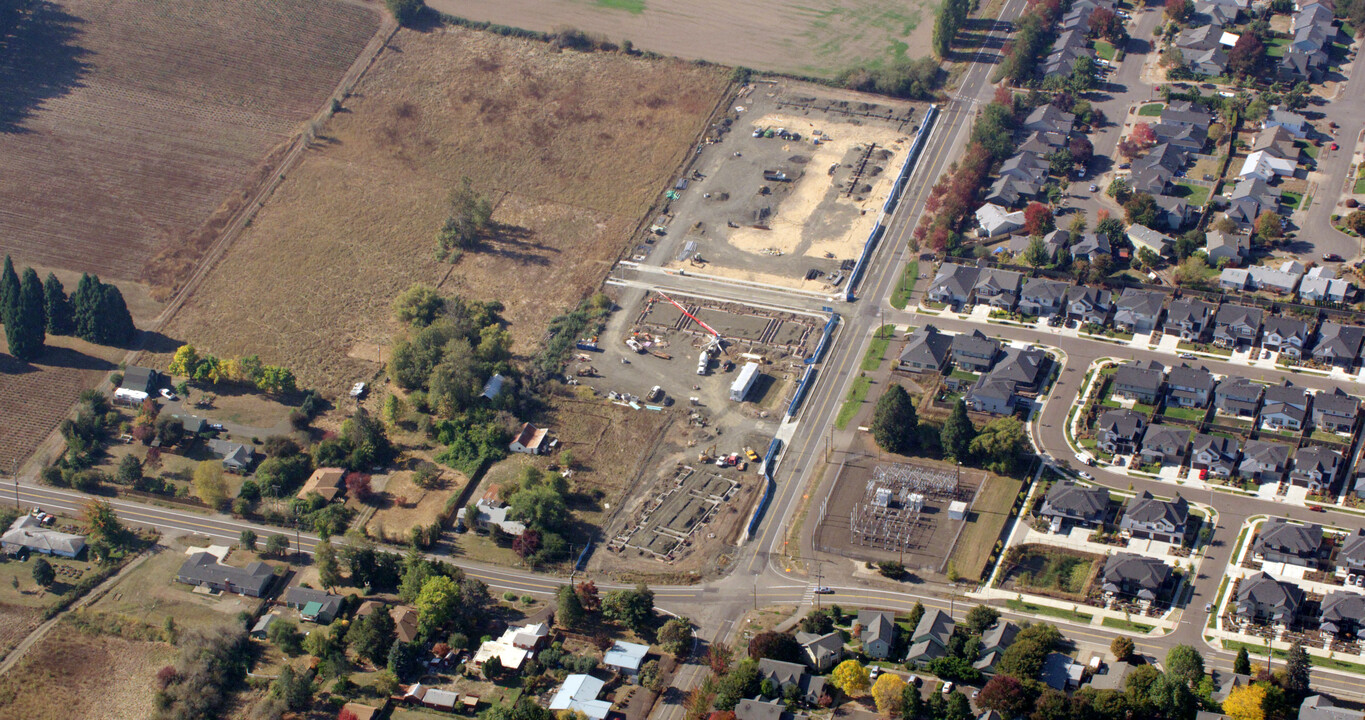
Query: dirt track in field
point(818, 38)
point(573, 147)
point(126, 123)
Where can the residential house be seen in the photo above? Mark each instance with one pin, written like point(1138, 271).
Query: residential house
point(1018, 371)
point(1211, 62)
point(1238, 396)
point(994, 220)
point(1145, 238)
point(1236, 325)
point(1048, 118)
point(1342, 615)
point(1225, 682)
point(1149, 518)
point(1009, 191)
point(1315, 467)
point(1338, 344)
point(1216, 454)
point(878, 633)
point(1186, 138)
point(1088, 305)
point(1164, 444)
point(1286, 335)
point(1042, 143)
point(327, 482)
point(1155, 170)
point(510, 654)
point(262, 627)
point(1189, 387)
point(1351, 557)
point(1282, 280)
point(1280, 541)
point(626, 658)
point(953, 284)
point(1263, 599)
point(1320, 285)
point(1028, 167)
point(1090, 246)
point(997, 288)
point(758, 708)
point(1263, 462)
point(530, 440)
point(578, 694)
point(1335, 411)
point(1138, 311)
point(821, 651)
point(1234, 279)
point(1285, 407)
point(1062, 673)
point(1174, 212)
point(489, 513)
point(1113, 677)
point(975, 351)
point(193, 425)
point(419, 694)
point(1189, 318)
point(139, 383)
point(809, 688)
point(1294, 123)
point(27, 534)
point(1136, 576)
point(1249, 199)
point(1042, 297)
point(1320, 707)
point(1137, 382)
point(1068, 502)
point(236, 457)
point(1229, 249)
point(930, 638)
point(926, 350)
point(318, 606)
point(1117, 431)
point(1267, 167)
point(204, 570)
point(1183, 113)
point(1278, 142)
point(994, 642)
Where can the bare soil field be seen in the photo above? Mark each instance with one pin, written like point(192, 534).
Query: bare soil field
point(74, 674)
point(127, 122)
point(35, 397)
point(571, 147)
point(813, 38)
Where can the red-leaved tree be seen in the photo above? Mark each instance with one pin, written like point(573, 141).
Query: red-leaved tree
point(358, 486)
point(526, 544)
point(1038, 219)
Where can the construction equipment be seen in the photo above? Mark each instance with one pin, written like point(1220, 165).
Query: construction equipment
point(587, 371)
point(661, 355)
point(706, 455)
point(749, 453)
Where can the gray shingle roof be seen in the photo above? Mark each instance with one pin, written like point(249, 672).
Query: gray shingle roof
point(1262, 589)
point(202, 568)
point(1144, 508)
point(1339, 342)
point(1240, 388)
point(958, 279)
point(1138, 377)
point(927, 346)
point(1147, 573)
point(1122, 423)
point(1141, 303)
point(1288, 394)
point(1279, 535)
point(1191, 378)
point(1189, 311)
point(1078, 500)
point(1239, 315)
point(1287, 327)
point(1166, 439)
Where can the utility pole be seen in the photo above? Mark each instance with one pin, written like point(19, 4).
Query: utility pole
point(14, 471)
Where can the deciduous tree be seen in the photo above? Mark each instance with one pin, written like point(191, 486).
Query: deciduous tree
point(888, 693)
point(1006, 695)
point(208, 484)
point(675, 637)
point(1038, 219)
point(1246, 702)
point(1184, 663)
point(851, 677)
point(1122, 648)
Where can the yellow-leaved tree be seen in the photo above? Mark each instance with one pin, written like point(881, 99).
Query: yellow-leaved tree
point(886, 692)
point(851, 677)
point(208, 484)
point(1246, 703)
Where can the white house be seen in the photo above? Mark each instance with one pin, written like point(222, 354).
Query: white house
point(625, 658)
point(1265, 166)
point(579, 693)
point(995, 220)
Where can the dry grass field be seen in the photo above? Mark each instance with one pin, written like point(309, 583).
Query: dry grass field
point(126, 123)
point(72, 674)
point(812, 38)
point(571, 147)
point(150, 593)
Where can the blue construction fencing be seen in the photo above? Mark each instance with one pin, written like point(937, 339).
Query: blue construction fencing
point(768, 460)
point(819, 353)
point(800, 396)
point(889, 206)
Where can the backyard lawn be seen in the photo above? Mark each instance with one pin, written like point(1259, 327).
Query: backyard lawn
point(1195, 195)
point(1194, 414)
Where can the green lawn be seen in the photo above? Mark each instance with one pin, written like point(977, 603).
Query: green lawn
point(1360, 185)
point(906, 285)
point(877, 351)
point(856, 395)
point(1151, 110)
point(1204, 348)
point(964, 375)
point(1274, 47)
point(1128, 625)
point(1104, 50)
point(1195, 195)
point(1194, 414)
point(1218, 599)
point(1028, 607)
point(1291, 199)
point(1309, 148)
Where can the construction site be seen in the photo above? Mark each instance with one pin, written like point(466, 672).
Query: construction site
point(669, 523)
point(785, 188)
point(910, 513)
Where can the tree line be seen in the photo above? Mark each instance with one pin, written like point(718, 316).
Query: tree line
point(31, 310)
point(952, 15)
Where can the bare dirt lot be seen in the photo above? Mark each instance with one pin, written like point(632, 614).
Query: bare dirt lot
point(74, 674)
point(571, 147)
point(126, 123)
point(813, 38)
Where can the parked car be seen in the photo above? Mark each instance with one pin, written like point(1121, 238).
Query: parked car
point(1086, 475)
point(947, 687)
point(1331, 257)
point(1094, 187)
point(1186, 356)
point(166, 393)
point(1316, 508)
point(1334, 146)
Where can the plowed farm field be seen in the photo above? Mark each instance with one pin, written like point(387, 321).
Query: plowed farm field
point(124, 124)
point(572, 148)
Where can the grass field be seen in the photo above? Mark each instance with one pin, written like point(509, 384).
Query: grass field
point(71, 673)
point(1127, 625)
point(1048, 610)
point(854, 402)
point(984, 525)
point(136, 120)
point(572, 148)
point(906, 286)
point(876, 352)
point(150, 593)
point(814, 38)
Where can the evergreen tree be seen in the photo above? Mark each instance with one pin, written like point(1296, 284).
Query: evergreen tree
point(116, 323)
point(1242, 665)
point(9, 291)
point(58, 307)
point(85, 304)
point(1298, 669)
point(101, 316)
point(895, 420)
point(957, 433)
point(24, 327)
